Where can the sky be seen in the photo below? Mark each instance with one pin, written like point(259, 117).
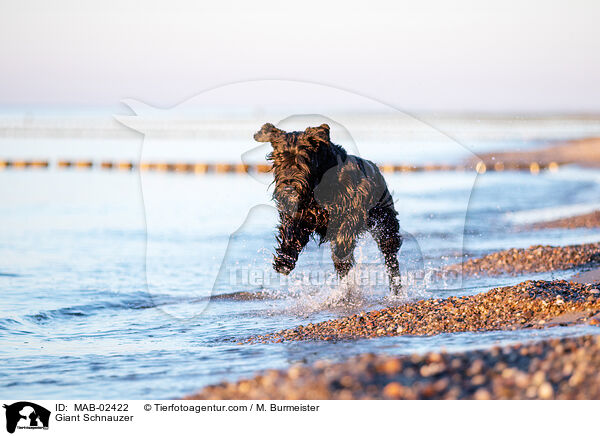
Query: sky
point(426, 55)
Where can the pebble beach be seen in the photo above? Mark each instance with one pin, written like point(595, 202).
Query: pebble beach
point(552, 369)
point(538, 258)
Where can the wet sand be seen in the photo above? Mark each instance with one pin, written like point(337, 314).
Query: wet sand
point(591, 276)
point(584, 152)
point(531, 304)
point(589, 221)
point(553, 369)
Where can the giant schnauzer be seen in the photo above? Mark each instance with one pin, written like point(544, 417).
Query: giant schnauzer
point(322, 190)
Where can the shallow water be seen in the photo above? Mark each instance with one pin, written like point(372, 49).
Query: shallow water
point(106, 276)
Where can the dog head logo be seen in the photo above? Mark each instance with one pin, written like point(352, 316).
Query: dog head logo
point(26, 415)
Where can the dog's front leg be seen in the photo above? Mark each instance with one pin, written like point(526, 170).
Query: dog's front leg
point(342, 266)
point(342, 250)
point(294, 234)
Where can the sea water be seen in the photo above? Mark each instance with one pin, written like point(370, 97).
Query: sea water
point(125, 285)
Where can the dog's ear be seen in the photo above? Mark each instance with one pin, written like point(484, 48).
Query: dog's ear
point(318, 134)
point(268, 133)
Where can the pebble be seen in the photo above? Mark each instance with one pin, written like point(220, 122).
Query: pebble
point(482, 394)
point(393, 390)
point(546, 392)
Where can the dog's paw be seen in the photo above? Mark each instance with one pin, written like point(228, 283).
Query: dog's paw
point(283, 265)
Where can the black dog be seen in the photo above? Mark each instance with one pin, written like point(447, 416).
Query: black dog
point(320, 189)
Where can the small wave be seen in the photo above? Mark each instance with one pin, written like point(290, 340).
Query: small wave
point(13, 327)
point(246, 296)
point(89, 309)
point(9, 275)
point(8, 323)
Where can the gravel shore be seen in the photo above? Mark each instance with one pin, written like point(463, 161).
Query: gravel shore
point(589, 220)
point(531, 304)
point(537, 258)
point(553, 369)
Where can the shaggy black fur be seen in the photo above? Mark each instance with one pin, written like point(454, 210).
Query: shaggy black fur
point(322, 190)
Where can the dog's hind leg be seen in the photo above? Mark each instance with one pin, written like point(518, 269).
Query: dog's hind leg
point(385, 229)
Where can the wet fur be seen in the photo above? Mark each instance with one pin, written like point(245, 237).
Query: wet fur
point(321, 190)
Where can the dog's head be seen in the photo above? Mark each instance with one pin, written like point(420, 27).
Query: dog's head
point(296, 158)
